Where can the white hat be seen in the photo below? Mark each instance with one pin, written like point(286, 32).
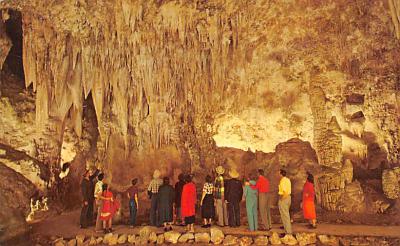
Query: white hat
point(233, 173)
point(220, 170)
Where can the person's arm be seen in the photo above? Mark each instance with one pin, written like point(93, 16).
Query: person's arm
point(137, 201)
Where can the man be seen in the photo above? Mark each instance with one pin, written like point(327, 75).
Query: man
point(98, 190)
point(85, 189)
point(178, 195)
point(284, 192)
point(132, 194)
point(219, 190)
point(264, 199)
point(152, 191)
point(233, 195)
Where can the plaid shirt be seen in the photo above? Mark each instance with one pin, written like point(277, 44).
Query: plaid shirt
point(154, 185)
point(208, 188)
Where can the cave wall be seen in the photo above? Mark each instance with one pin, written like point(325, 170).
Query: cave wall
point(170, 82)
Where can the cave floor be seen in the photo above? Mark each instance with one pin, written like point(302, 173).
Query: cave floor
point(66, 225)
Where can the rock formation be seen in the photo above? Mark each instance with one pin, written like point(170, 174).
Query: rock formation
point(130, 86)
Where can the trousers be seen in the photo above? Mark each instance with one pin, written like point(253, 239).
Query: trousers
point(284, 206)
point(252, 214)
point(234, 214)
point(154, 221)
point(132, 211)
point(221, 211)
point(264, 204)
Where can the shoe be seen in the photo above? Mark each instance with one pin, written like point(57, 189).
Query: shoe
point(281, 227)
point(165, 229)
point(170, 228)
point(209, 225)
point(204, 226)
point(105, 231)
point(110, 230)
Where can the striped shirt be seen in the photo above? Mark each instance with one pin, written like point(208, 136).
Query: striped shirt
point(154, 185)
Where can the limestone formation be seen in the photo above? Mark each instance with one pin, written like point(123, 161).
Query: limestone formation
point(185, 237)
point(390, 184)
point(306, 238)
point(261, 240)
point(202, 237)
point(217, 235)
point(230, 240)
point(275, 239)
point(130, 86)
point(92, 241)
point(160, 239)
point(328, 240)
point(245, 241)
point(172, 237)
point(72, 242)
point(131, 239)
point(289, 240)
point(122, 239)
point(79, 239)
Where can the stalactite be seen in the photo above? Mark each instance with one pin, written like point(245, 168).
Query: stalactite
point(394, 6)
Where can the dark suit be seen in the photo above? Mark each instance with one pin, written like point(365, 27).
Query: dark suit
point(233, 194)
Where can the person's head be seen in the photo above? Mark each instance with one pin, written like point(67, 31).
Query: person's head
point(310, 178)
point(208, 179)
point(282, 173)
point(86, 174)
point(188, 178)
point(260, 171)
point(134, 181)
point(252, 176)
point(156, 174)
point(181, 177)
point(166, 181)
point(100, 177)
point(105, 187)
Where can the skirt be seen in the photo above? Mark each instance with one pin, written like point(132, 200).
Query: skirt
point(189, 220)
point(309, 210)
point(207, 208)
point(165, 214)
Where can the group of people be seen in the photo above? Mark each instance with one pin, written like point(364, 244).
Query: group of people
point(97, 194)
point(220, 199)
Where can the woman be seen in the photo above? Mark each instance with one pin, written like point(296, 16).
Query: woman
point(250, 194)
point(308, 201)
point(108, 209)
point(188, 203)
point(166, 196)
point(207, 202)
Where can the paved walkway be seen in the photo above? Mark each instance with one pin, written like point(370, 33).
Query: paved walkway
point(66, 225)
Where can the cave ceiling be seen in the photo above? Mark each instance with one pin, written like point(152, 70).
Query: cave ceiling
point(248, 74)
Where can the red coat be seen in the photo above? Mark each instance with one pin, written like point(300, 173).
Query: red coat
point(109, 207)
point(308, 201)
point(188, 200)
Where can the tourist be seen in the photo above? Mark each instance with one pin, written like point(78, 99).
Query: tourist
point(92, 182)
point(219, 190)
point(152, 191)
point(98, 190)
point(85, 189)
point(233, 196)
point(284, 192)
point(166, 197)
point(188, 203)
point(108, 209)
point(308, 204)
point(250, 194)
point(207, 202)
point(264, 199)
point(178, 196)
point(132, 194)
